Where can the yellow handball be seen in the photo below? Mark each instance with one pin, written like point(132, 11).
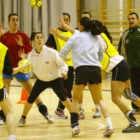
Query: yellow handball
point(24, 61)
point(36, 3)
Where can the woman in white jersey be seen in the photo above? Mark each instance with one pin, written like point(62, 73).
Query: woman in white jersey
point(50, 70)
point(86, 55)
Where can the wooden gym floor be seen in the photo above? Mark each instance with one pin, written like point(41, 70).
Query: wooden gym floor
point(37, 127)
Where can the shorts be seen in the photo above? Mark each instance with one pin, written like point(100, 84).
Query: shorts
point(21, 77)
point(87, 74)
point(121, 72)
point(3, 94)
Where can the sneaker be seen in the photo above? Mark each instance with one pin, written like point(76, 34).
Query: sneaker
point(108, 132)
point(60, 114)
point(2, 122)
point(136, 111)
point(12, 137)
point(75, 131)
point(22, 122)
point(132, 129)
point(81, 114)
point(49, 118)
point(97, 114)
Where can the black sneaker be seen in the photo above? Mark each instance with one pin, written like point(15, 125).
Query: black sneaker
point(132, 129)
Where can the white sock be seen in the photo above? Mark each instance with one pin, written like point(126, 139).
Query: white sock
point(97, 107)
point(12, 137)
point(81, 106)
point(109, 122)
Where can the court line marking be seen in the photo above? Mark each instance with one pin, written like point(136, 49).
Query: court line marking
point(101, 126)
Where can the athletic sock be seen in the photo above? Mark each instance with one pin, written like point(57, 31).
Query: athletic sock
point(109, 122)
point(24, 117)
point(60, 106)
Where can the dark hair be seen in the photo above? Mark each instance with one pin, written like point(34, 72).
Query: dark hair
point(84, 21)
point(107, 33)
point(96, 27)
point(134, 13)
point(33, 34)
point(86, 12)
point(12, 14)
point(66, 14)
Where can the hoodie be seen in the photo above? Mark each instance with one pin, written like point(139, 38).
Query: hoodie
point(47, 65)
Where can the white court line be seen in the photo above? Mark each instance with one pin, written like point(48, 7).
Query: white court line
point(101, 126)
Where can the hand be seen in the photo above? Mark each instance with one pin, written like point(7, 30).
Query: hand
point(24, 66)
point(65, 76)
point(19, 40)
point(22, 54)
point(68, 58)
point(3, 30)
point(53, 31)
point(61, 21)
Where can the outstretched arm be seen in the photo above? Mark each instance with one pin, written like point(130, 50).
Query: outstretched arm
point(55, 33)
point(62, 23)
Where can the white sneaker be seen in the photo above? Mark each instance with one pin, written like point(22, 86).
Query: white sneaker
point(22, 122)
point(12, 137)
point(75, 131)
point(108, 132)
point(2, 122)
point(60, 114)
point(81, 114)
point(97, 114)
point(49, 119)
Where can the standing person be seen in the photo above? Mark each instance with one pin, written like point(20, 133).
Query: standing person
point(86, 55)
point(16, 40)
point(115, 63)
point(129, 47)
point(5, 102)
point(74, 31)
point(57, 44)
point(54, 68)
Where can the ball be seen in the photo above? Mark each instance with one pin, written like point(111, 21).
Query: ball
point(24, 61)
point(36, 3)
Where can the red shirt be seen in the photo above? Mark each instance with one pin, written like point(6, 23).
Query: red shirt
point(9, 40)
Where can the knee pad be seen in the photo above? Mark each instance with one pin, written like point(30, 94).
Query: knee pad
point(130, 95)
point(42, 109)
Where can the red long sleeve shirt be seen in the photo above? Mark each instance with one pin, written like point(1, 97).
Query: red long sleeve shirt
point(9, 40)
